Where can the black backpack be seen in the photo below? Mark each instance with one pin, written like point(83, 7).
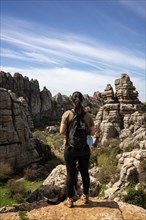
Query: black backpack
point(77, 132)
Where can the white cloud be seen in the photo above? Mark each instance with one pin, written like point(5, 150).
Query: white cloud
point(65, 48)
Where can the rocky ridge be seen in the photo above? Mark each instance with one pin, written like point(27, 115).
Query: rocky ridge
point(43, 107)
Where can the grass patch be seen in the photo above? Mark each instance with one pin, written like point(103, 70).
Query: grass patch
point(4, 192)
point(23, 215)
point(49, 139)
point(32, 185)
point(5, 200)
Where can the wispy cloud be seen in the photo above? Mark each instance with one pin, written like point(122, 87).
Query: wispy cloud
point(59, 48)
point(63, 55)
point(138, 7)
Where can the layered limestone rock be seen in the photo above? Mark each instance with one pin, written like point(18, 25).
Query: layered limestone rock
point(127, 95)
point(121, 110)
point(129, 165)
point(108, 94)
point(44, 109)
point(17, 146)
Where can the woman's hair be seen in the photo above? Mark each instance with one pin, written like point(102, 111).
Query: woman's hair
point(77, 99)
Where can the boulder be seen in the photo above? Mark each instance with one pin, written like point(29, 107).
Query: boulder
point(53, 188)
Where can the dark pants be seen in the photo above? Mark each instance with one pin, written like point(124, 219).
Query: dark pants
point(71, 156)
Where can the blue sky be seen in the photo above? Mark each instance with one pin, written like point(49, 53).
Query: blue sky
point(75, 45)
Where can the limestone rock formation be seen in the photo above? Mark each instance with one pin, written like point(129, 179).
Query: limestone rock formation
point(43, 108)
point(130, 172)
point(123, 118)
point(54, 187)
point(108, 94)
point(17, 146)
point(121, 110)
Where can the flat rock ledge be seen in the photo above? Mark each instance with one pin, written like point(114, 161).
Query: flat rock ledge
point(97, 209)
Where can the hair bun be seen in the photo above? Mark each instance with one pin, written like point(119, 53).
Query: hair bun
point(77, 96)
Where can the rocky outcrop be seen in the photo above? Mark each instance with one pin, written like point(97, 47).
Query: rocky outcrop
point(44, 109)
point(121, 110)
point(97, 209)
point(123, 119)
point(17, 145)
point(54, 187)
point(129, 166)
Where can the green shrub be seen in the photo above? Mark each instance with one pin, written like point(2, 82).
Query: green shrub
point(108, 172)
point(40, 135)
point(115, 151)
point(19, 198)
point(94, 111)
point(5, 171)
point(55, 141)
point(102, 160)
point(136, 197)
point(46, 152)
point(107, 109)
point(102, 191)
point(129, 148)
point(16, 190)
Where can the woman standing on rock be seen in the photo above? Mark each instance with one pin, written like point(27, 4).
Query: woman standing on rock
point(77, 124)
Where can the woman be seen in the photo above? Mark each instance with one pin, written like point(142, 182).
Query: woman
point(73, 155)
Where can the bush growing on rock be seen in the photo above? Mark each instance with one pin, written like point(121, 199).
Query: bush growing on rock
point(107, 163)
point(107, 172)
point(16, 190)
point(94, 111)
point(136, 197)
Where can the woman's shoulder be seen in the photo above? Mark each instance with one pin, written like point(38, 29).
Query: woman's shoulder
point(68, 113)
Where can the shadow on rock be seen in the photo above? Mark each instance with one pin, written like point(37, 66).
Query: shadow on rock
point(106, 204)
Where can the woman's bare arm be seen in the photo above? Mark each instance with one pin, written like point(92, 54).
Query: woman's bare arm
point(92, 131)
point(62, 128)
